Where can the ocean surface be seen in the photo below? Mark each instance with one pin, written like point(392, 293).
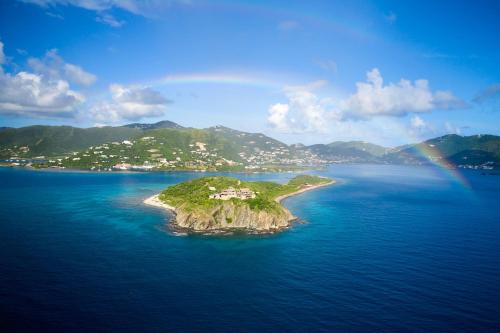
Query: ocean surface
point(387, 249)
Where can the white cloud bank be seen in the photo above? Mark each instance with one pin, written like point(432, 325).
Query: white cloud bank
point(129, 103)
point(45, 91)
point(306, 112)
point(373, 98)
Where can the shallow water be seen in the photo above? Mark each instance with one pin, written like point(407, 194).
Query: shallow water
point(390, 248)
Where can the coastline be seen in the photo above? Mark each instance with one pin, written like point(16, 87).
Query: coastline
point(156, 202)
point(252, 227)
point(68, 169)
point(310, 188)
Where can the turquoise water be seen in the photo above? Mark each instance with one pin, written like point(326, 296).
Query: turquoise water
point(390, 248)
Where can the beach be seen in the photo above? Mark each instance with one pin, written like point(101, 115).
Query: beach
point(156, 202)
point(302, 190)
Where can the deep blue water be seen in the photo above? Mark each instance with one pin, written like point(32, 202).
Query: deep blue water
point(390, 248)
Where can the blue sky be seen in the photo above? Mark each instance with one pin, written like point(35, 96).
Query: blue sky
point(389, 72)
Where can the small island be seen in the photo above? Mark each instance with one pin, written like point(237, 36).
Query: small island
point(226, 204)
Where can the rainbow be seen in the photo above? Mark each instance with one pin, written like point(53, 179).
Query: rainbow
point(427, 152)
point(217, 78)
point(436, 158)
point(304, 16)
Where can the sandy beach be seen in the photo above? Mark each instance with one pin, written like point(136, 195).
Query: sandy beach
point(305, 189)
point(156, 202)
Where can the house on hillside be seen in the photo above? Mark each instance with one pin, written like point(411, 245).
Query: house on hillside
point(242, 194)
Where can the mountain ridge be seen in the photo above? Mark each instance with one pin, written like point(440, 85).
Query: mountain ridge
point(218, 145)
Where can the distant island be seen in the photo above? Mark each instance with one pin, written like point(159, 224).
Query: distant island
point(167, 146)
point(225, 204)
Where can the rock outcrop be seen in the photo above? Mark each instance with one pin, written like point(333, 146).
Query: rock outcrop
point(229, 217)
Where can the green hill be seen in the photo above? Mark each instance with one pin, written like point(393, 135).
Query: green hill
point(166, 145)
point(216, 148)
point(194, 194)
point(473, 157)
point(474, 150)
point(350, 151)
point(35, 141)
point(160, 124)
point(214, 204)
point(32, 141)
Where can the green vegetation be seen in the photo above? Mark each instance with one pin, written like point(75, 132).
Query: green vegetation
point(194, 194)
point(307, 180)
point(36, 141)
point(213, 149)
point(353, 151)
point(168, 146)
point(462, 151)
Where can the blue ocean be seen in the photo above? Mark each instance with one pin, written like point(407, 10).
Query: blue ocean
point(386, 249)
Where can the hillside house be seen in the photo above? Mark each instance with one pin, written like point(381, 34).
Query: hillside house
point(242, 194)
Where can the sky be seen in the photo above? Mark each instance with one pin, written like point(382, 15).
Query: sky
point(387, 72)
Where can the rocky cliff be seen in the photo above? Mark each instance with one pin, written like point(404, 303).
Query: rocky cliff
point(228, 217)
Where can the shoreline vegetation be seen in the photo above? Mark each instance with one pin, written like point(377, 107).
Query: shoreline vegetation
point(260, 212)
point(313, 187)
point(166, 146)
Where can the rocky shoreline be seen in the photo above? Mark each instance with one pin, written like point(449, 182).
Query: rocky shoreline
point(228, 218)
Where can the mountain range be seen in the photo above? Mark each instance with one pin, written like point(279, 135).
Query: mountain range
point(167, 145)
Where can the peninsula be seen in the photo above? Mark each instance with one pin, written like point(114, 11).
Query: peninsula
point(224, 204)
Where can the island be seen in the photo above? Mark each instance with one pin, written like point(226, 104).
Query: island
point(214, 205)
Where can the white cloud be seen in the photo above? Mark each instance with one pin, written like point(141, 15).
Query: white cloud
point(451, 129)
point(87, 4)
point(2, 55)
point(375, 112)
point(27, 93)
point(489, 93)
point(22, 52)
point(77, 75)
point(417, 122)
point(55, 15)
point(109, 20)
point(53, 66)
point(304, 112)
point(445, 100)
point(419, 128)
point(327, 65)
point(129, 103)
point(278, 116)
point(41, 93)
point(373, 98)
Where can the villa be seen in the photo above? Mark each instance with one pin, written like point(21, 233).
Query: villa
point(242, 194)
point(122, 166)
